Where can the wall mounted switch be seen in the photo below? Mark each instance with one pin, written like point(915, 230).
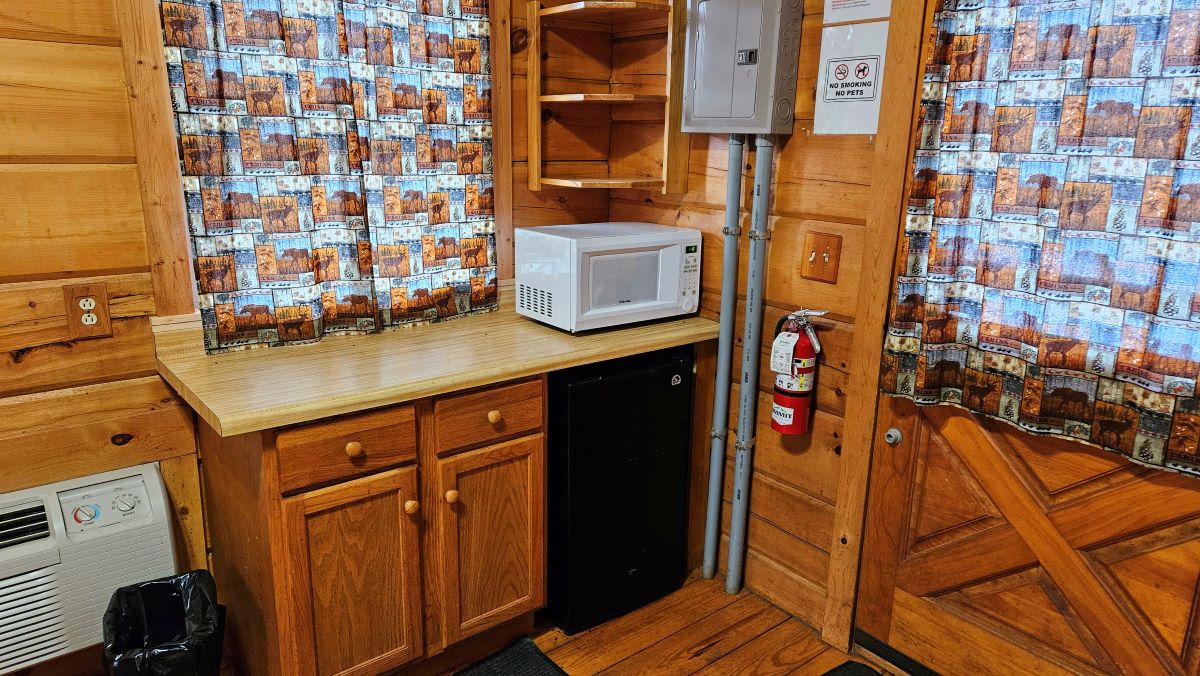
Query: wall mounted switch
point(87, 311)
point(821, 255)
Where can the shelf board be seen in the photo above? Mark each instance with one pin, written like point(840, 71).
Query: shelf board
point(603, 182)
point(602, 98)
point(607, 11)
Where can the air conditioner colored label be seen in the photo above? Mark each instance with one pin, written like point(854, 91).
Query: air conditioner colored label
point(782, 414)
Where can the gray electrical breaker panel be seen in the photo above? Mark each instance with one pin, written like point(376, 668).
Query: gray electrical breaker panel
point(740, 66)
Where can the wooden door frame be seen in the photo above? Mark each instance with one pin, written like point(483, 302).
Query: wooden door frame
point(894, 148)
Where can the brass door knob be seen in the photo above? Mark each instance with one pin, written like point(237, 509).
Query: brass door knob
point(411, 506)
point(494, 416)
point(452, 496)
point(354, 449)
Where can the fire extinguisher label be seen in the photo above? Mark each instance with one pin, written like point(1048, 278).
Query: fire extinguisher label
point(782, 414)
point(804, 382)
point(789, 383)
point(806, 363)
point(781, 352)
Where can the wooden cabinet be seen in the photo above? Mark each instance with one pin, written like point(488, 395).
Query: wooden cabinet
point(493, 534)
point(430, 531)
point(488, 415)
point(354, 567)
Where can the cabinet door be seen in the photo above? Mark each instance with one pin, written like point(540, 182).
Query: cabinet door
point(355, 574)
point(493, 534)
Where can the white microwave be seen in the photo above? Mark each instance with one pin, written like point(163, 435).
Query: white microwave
point(592, 275)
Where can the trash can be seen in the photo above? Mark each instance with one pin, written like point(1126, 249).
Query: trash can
point(171, 626)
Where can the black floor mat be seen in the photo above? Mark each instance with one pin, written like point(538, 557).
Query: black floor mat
point(851, 669)
point(521, 658)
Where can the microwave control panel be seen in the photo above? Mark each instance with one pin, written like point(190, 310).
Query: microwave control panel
point(690, 294)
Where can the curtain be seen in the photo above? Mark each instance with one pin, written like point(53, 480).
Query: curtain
point(1050, 268)
point(337, 163)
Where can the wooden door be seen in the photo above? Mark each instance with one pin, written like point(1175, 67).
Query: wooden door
point(354, 574)
point(493, 544)
point(989, 550)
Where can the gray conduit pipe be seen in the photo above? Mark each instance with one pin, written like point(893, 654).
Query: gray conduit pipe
point(720, 412)
point(751, 339)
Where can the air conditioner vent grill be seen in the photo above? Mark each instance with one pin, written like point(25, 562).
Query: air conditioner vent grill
point(535, 300)
point(32, 625)
point(23, 523)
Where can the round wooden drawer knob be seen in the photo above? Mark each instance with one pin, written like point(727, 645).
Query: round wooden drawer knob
point(354, 449)
point(411, 506)
point(452, 496)
point(494, 416)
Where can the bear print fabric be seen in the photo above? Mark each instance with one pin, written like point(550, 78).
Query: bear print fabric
point(337, 162)
point(1050, 271)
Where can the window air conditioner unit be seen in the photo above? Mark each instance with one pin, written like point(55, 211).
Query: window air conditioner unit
point(65, 548)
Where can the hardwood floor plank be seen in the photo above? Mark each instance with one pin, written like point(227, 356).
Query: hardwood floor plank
point(697, 630)
point(551, 638)
point(778, 651)
point(594, 650)
point(703, 642)
point(822, 663)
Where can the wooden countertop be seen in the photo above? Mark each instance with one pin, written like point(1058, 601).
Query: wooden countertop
point(250, 390)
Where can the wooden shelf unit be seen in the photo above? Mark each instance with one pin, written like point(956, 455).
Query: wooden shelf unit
point(620, 18)
point(603, 98)
point(606, 12)
point(604, 183)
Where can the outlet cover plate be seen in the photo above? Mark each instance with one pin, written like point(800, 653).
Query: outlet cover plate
point(76, 327)
point(821, 256)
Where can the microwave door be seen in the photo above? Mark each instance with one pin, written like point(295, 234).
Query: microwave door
point(628, 281)
point(629, 278)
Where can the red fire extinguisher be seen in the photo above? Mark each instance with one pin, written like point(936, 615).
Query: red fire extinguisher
point(794, 361)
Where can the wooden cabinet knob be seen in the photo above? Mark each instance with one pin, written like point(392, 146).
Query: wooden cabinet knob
point(354, 449)
point(494, 416)
point(452, 496)
point(411, 506)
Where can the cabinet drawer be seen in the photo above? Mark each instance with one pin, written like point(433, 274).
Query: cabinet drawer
point(346, 447)
point(479, 417)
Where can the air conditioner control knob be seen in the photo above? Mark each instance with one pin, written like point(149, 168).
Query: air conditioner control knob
point(85, 513)
point(688, 305)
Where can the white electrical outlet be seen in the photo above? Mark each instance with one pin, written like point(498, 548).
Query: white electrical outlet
point(87, 304)
point(89, 319)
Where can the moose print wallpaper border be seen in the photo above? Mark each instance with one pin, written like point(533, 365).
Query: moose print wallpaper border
point(337, 162)
point(1050, 272)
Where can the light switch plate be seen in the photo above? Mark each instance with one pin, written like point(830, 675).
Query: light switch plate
point(87, 311)
point(820, 258)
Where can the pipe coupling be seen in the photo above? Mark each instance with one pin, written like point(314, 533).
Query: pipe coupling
point(747, 445)
point(718, 434)
point(732, 232)
point(760, 234)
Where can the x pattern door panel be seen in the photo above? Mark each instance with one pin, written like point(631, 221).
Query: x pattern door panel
point(993, 551)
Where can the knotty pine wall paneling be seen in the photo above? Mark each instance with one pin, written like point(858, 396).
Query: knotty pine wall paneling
point(90, 186)
point(822, 184)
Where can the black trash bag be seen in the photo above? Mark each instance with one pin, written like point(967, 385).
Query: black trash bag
point(171, 626)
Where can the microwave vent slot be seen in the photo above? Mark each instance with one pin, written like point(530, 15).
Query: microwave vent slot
point(23, 523)
point(537, 301)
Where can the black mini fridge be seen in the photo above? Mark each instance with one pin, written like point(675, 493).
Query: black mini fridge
point(617, 467)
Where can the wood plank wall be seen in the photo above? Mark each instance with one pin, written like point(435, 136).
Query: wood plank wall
point(89, 185)
point(822, 184)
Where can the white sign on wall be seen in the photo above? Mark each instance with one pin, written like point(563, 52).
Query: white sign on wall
point(838, 11)
point(850, 78)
